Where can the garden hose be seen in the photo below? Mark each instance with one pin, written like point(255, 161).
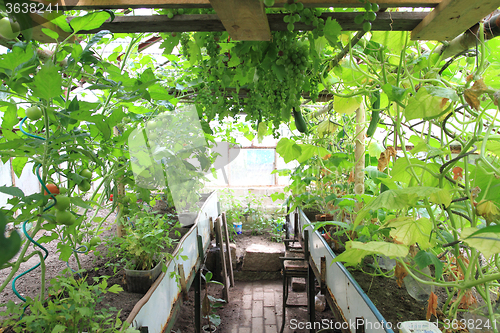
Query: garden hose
point(37, 171)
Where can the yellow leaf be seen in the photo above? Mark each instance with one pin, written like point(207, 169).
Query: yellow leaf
point(409, 231)
point(487, 243)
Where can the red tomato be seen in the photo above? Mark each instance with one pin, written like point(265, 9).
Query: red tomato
point(52, 188)
point(111, 197)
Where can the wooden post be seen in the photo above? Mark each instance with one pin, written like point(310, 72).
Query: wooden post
point(183, 282)
point(121, 192)
point(220, 244)
point(359, 174)
point(228, 249)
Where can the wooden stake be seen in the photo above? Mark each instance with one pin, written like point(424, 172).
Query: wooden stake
point(220, 244)
point(228, 249)
point(182, 280)
point(359, 174)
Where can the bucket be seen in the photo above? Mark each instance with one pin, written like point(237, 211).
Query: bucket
point(238, 227)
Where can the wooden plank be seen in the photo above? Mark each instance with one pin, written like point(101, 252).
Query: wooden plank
point(220, 244)
point(183, 282)
point(243, 19)
point(386, 21)
point(126, 4)
point(228, 249)
point(452, 17)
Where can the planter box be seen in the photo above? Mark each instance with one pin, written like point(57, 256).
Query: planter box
point(158, 309)
point(346, 298)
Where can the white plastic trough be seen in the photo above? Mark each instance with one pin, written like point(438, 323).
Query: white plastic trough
point(158, 309)
point(350, 301)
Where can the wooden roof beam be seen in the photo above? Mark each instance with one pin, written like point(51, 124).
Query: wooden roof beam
point(126, 4)
point(386, 21)
point(243, 19)
point(452, 17)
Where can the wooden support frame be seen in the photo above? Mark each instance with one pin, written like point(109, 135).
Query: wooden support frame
point(386, 21)
point(243, 19)
point(451, 18)
point(126, 4)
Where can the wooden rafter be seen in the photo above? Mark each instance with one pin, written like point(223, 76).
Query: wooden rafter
point(387, 21)
point(125, 4)
point(243, 19)
point(452, 17)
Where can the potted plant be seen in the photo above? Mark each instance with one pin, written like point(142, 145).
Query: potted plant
point(144, 248)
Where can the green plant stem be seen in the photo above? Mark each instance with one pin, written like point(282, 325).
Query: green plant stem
point(42, 266)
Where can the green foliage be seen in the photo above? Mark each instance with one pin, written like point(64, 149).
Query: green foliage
point(72, 307)
point(146, 241)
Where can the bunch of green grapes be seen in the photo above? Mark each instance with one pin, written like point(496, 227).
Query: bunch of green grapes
point(369, 16)
point(305, 15)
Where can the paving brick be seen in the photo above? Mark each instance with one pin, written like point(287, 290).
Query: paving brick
point(270, 316)
point(257, 309)
point(246, 302)
point(271, 329)
point(269, 299)
point(244, 330)
point(245, 318)
point(257, 325)
point(258, 295)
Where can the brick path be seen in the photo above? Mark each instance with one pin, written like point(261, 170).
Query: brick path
point(257, 307)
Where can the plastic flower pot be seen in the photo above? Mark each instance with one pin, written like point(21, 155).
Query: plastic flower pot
point(139, 281)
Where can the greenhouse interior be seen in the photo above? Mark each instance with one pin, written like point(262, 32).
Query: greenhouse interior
point(249, 166)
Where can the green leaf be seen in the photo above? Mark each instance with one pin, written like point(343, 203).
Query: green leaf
point(64, 250)
point(9, 245)
point(9, 117)
point(12, 190)
point(441, 197)
point(77, 201)
point(50, 33)
point(351, 256)
point(59, 329)
point(393, 40)
point(346, 105)
point(90, 21)
point(280, 71)
point(288, 149)
point(170, 43)
point(115, 289)
point(423, 106)
point(394, 93)
point(396, 199)
point(442, 92)
point(308, 151)
point(488, 243)
point(332, 31)
point(18, 164)
point(375, 149)
point(492, 228)
point(424, 259)
point(17, 57)
point(261, 131)
point(47, 82)
point(408, 231)
point(390, 250)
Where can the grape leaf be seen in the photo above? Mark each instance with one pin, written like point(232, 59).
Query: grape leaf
point(332, 31)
